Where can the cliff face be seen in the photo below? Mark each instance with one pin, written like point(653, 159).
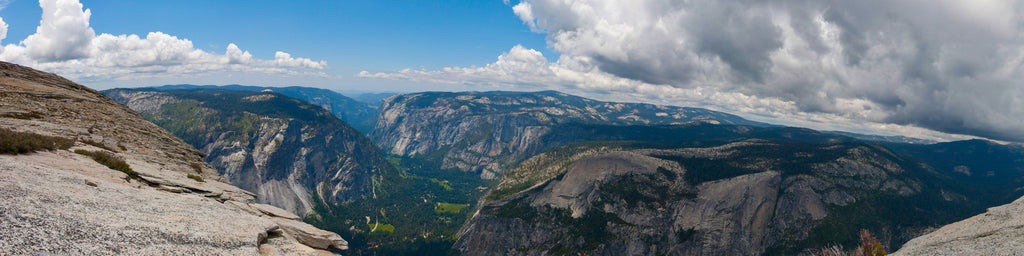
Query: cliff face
point(762, 191)
point(282, 149)
point(163, 200)
point(490, 132)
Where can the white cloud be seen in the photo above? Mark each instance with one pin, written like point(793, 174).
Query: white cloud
point(63, 33)
point(3, 31)
point(64, 43)
point(237, 56)
point(525, 12)
point(522, 68)
point(948, 65)
point(285, 60)
point(518, 67)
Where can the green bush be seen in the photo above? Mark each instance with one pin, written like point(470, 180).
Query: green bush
point(196, 167)
point(111, 161)
point(382, 227)
point(449, 208)
point(196, 177)
point(98, 145)
point(869, 246)
point(13, 143)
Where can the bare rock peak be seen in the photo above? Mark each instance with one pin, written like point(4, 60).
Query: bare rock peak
point(68, 203)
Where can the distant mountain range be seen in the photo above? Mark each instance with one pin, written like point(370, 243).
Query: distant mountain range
point(490, 132)
point(552, 173)
point(359, 114)
point(883, 138)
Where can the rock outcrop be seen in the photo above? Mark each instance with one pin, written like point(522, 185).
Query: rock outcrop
point(996, 232)
point(312, 236)
point(274, 211)
point(168, 202)
point(282, 149)
point(490, 132)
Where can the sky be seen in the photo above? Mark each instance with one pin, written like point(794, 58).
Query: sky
point(935, 69)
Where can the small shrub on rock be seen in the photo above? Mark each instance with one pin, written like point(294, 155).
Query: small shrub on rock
point(196, 167)
point(98, 145)
point(14, 143)
point(196, 177)
point(869, 246)
point(111, 161)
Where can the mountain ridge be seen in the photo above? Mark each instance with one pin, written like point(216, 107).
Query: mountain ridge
point(816, 192)
point(358, 114)
point(487, 132)
point(281, 148)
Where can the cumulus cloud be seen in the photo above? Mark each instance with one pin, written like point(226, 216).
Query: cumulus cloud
point(3, 32)
point(285, 60)
point(523, 68)
point(237, 56)
point(64, 43)
point(3, 25)
point(3, 29)
point(946, 65)
point(63, 33)
point(518, 67)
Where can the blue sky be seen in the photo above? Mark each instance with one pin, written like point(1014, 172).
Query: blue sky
point(940, 70)
point(351, 35)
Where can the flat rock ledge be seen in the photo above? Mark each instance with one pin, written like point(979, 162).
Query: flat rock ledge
point(274, 211)
point(312, 236)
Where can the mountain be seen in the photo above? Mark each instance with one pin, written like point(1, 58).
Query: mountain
point(81, 174)
point(981, 166)
point(732, 190)
point(282, 149)
point(883, 138)
point(299, 157)
point(570, 175)
point(490, 132)
point(358, 114)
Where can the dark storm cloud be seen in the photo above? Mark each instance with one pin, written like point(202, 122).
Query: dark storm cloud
point(952, 66)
